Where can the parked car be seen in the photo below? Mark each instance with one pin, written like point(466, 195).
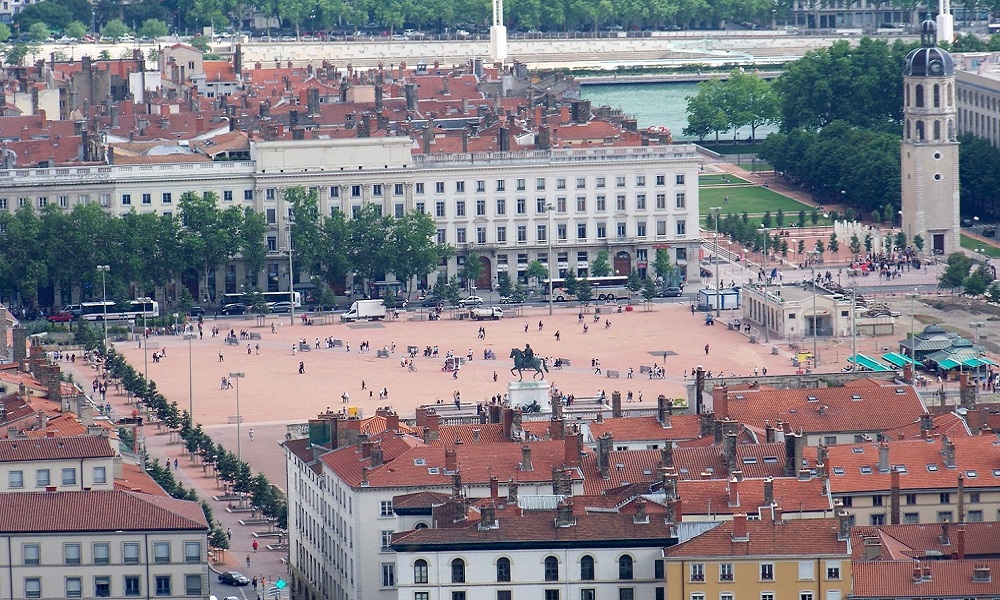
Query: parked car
point(471, 301)
point(197, 311)
point(431, 301)
point(234, 578)
point(281, 307)
point(61, 317)
point(234, 309)
point(671, 292)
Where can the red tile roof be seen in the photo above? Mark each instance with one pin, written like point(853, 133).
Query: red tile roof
point(790, 537)
point(947, 579)
point(135, 479)
point(977, 458)
point(859, 407)
point(948, 423)
point(921, 540)
point(450, 435)
point(712, 497)
point(57, 448)
point(115, 510)
point(635, 429)
point(516, 526)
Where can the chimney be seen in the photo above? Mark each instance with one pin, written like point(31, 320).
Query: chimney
point(729, 452)
point(945, 540)
point(706, 424)
point(872, 548)
point(768, 491)
point(960, 542)
point(961, 498)
point(526, 458)
point(740, 528)
point(894, 496)
point(605, 443)
point(488, 517)
point(376, 455)
point(494, 488)
point(669, 477)
point(768, 432)
point(734, 492)
point(675, 511)
point(450, 460)
point(926, 424)
point(699, 390)
point(948, 452)
point(364, 476)
point(883, 457)
point(456, 485)
point(507, 419)
point(720, 402)
point(366, 448)
point(599, 418)
point(556, 428)
point(564, 514)
point(512, 491)
point(475, 435)
point(392, 421)
point(667, 455)
point(640, 512)
point(843, 526)
point(917, 573)
point(427, 137)
point(379, 105)
point(431, 432)
point(571, 449)
point(794, 443)
point(664, 408)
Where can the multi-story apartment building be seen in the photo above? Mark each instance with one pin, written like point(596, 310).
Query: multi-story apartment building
point(56, 464)
point(101, 544)
point(807, 559)
point(510, 208)
point(923, 480)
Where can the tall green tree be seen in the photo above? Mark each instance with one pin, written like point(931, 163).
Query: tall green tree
point(369, 252)
point(416, 252)
point(705, 113)
point(600, 266)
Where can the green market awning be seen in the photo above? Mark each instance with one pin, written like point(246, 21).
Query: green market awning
point(980, 361)
point(900, 360)
point(948, 364)
point(867, 362)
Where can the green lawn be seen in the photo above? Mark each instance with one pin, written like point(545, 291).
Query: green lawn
point(756, 167)
point(753, 200)
point(972, 244)
point(791, 223)
point(720, 179)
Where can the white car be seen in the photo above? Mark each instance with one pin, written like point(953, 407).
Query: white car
point(471, 301)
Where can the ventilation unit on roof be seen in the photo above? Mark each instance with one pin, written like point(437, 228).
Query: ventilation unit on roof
point(866, 470)
point(971, 474)
point(433, 470)
point(812, 398)
point(838, 470)
point(419, 462)
point(855, 397)
point(857, 450)
point(932, 467)
point(900, 391)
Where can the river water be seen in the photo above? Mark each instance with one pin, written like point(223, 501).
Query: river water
point(656, 104)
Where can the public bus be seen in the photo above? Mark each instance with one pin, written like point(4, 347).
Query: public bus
point(140, 307)
point(270, 297)
point(604, 288)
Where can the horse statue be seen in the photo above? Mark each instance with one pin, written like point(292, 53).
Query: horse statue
point(520, 364)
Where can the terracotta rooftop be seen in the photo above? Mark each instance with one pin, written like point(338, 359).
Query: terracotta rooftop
point(636, 429)
point(948, 423)
point(55, 448)
point(115, 510)
point(924, 540)
point(790, 537)
point(135, 479)
point(944, 579)
point(861, 407)
point(792, 496)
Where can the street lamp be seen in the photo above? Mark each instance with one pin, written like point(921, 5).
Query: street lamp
point(104, 298)
point(239, 439)
point(979, 351)
point(766, 231)
point(291, 274)
point(815, 343)
point(190, 336)
point(718, 292)
point(548, 238)
point(913, 338)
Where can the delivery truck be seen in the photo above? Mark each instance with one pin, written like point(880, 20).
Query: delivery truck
point(364, 310)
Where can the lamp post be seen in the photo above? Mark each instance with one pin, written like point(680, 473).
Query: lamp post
point(979, 351)
point(718, 292)
point(812, 268)
point(548, 238)
point(913, 338)
point(767, 336)
point(291, 274)
point(239, 439)
point(104, 298)
point(190, 336)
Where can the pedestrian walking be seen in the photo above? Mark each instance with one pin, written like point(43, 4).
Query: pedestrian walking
point(220, 356)
point(345, 397)
point(494, 376)
point(229, 533)
point(255, 545)
point(557, 335)
point(706, 349)
point(525, 327)
point(257, 347)
point(251, 434)
point(175, 464)
point(302, 367)
point(248, 561)
point(363, 384)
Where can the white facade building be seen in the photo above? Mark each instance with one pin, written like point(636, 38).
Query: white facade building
point(628, 201)
point(56, 464)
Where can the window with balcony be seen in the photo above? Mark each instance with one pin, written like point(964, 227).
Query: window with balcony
point(561, 183)
point(480, 208)
point(602, 231)
point(620, 202)
point(581, 183)
point(438, 187)
point(521, 206)
point(192, 552)
point(520, 185)
point(681, 227)
point(102, 587)
point(32, 587)
point(161, 552)
point(680, 200)
point(501, 234)
point(725, 571)
point(679, 179)
point(522, 233)
point(581, 231)
point(132, 586)
point(540, 184)
point(418, 187)
point(397, 188)
point(460, 235)
point(640, 201)
point(542, 233)
point(767, 572)
point(501, 206)
point(697, 572)
point(620, 181)
point(460, 208)
point(501, 185)
point(833, 570)
point(561, 204)
point(130, 553)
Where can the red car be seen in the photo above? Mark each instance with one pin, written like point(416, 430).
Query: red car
point(61, 317)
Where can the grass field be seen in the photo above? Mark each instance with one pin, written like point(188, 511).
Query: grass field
point(720, 179)
point(971, 244)
point(753, 200)
point(791, 222)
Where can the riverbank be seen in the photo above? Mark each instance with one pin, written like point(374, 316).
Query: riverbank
point(665, 77)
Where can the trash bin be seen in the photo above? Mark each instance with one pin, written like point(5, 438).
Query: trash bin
point(774, 350)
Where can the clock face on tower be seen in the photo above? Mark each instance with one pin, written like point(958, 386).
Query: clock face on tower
point(935, 67)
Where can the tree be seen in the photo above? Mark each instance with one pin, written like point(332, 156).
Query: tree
point(209, 236)
point(956, 272)
point(855, 244)
point(748, 101)
point(201, 43)
point(766, 220)
point(993, 293)
point(663, 265)
point(802, 218)
point(537, 270)
point(369, 251)
point(584, 293)
point(710, 221)
point(634, 283)
point(814, 217)
point(901, 240)
point(600, 266)
point(504, 285)
point(570, 282)
point(75, 29)
point(977, 282)
point(649, 290)
point(918, 242)
point(802, 246)
point(820, 248)
point(415, 251)
point(704, 111)
point(39, 32)
point(153, 28)
point(115, 29)
point(472, 271)
point(779, 218)
point(868, 242)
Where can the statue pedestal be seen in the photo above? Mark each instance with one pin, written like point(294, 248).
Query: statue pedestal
point(520, 393)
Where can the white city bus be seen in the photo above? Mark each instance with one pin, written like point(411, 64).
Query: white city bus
point(140, 307)
point(604, 288)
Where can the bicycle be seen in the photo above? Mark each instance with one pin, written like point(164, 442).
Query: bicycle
point(412, 368)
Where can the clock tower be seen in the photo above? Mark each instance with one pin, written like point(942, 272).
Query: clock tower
point(930, 148)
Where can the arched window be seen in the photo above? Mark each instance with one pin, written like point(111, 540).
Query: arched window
point(937, 96)
point(458, 571)
point(625, 567)
point(920, 131)
point(920, 96)
point(587, 568)
point(503, 569)
point(937, 130)
point(420, 526)
point(551, 568)
point(420, 571)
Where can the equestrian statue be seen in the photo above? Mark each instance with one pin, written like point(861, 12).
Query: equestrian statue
point(525, 360)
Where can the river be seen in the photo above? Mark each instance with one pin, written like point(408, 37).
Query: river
point(655, 104)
